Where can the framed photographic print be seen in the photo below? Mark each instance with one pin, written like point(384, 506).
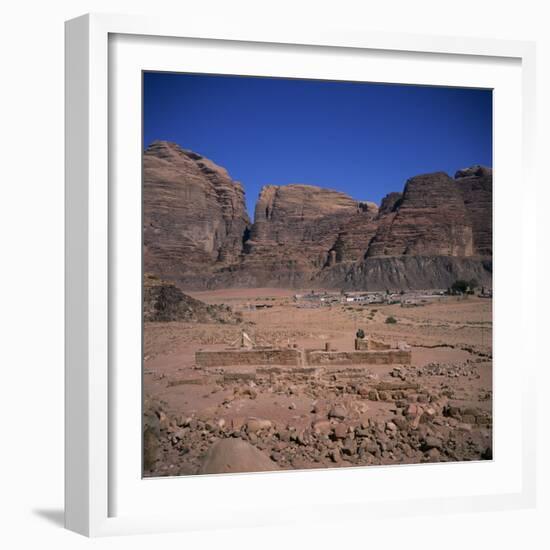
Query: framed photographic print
point(287, 275)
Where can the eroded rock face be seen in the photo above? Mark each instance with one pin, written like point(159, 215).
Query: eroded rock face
point(194, 214)
point(355, 235)
point(476, 185)
point(302, 219)
point(406, 272)
point(390, 202)
point(295, 228)
point(197, 231)
point(430, 220)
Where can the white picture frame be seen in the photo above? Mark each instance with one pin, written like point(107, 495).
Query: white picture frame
point(99, 499)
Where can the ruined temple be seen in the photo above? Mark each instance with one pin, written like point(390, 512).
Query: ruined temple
point(366, 352)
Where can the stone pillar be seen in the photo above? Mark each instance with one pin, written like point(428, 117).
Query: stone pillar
point(361, 344)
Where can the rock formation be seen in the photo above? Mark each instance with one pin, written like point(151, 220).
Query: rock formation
point(476, 185)
point(194, 215)
point(355, 235)
point(405, 272)
point(430, 220)
point(197, 232)
point(164, 301)
point(390, 202)
point(295, 228)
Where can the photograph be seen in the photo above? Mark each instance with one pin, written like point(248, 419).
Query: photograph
point(250, 275)
point(317, 267)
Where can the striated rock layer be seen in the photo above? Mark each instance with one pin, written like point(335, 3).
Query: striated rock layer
point(197, 232)
point(194, 214)
point(476, 186)
point(295, 229)
point(429, 219)
point(406, 272)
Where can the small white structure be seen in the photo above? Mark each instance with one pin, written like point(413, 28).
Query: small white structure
point(244, 341)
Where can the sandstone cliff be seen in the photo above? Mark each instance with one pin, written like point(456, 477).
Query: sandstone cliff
point(196, 229)
point(295, 228)
point(355, 235)
point(194, 214)
point(430, 220)
point(476, 185)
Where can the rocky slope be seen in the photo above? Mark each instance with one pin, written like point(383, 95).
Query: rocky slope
point(405, 272)
point(196, 230)
point(164, 301)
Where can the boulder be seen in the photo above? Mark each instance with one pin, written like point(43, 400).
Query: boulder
point(254, 425)
point(338, 411)
point(323, 427)
point(341, 431)
point(233, 456)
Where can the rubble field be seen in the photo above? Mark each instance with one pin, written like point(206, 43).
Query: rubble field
point(205, 420)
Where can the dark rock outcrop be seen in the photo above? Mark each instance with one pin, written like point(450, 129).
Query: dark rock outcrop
point(164, 301)
point(390, 202)
point(406, 272)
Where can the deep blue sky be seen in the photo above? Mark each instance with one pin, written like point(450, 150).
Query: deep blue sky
point(363, 139)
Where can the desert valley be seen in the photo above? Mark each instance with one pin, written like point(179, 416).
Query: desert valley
point(327, 332)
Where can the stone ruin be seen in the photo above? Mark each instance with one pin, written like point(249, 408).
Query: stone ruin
point(246, 353)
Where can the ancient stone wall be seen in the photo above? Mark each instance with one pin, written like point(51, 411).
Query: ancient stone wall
point(368, 344)
point(361, 344)
point(226, 358)
point(382, 357)
point(376, 345)
point(297, 358)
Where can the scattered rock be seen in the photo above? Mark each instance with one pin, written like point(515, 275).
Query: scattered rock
point(431, 442)
point(322, 427)
point(254, 425)
point(340, 431)
point(338, 411)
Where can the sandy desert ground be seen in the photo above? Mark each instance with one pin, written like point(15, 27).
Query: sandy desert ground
point(212, 420)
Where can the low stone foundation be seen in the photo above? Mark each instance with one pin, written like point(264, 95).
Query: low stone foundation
point(304, 359)
point(368, 344)
point(381, 357)
point(228, 358)
point(375, 345)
